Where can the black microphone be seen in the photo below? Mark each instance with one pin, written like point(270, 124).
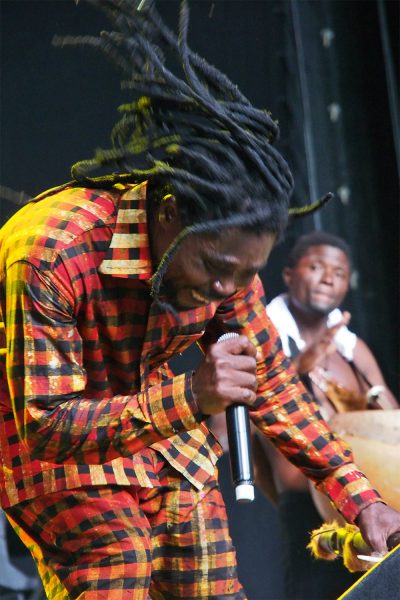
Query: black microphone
point(238, 427)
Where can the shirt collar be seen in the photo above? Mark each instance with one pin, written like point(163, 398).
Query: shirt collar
point(128, 254)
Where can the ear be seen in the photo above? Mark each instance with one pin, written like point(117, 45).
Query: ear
point(287, 276)
point(167, 211)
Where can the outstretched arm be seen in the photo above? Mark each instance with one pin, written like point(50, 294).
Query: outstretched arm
point(291, 420)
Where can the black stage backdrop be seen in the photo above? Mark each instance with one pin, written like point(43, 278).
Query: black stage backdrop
point(326, 69)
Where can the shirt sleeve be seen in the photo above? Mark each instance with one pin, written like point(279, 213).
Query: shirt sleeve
point(47, 381)
point(287, 414)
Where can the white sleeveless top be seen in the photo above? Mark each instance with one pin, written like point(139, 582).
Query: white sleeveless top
point(279, 313)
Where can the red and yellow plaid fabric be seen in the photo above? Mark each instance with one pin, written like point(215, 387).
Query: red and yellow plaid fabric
point(85, 386)
point(120, 543)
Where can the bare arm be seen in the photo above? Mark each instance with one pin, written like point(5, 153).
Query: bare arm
point(319, 348)
point(366, 363)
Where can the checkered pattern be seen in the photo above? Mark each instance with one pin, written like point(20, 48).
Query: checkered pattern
point(85, 386)
point(121, 542)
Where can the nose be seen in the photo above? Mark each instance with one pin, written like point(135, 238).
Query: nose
point(327, 276)
point(224, 287)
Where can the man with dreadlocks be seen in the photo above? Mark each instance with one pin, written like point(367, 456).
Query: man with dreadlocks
point(108, 468)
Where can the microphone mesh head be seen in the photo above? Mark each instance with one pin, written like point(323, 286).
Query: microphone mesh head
point(228, 336)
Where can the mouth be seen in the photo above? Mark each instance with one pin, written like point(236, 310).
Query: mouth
point(186, 298)
point(200, 298)
point(323, 295)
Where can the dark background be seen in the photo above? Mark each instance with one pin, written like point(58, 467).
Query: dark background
point(327, 69)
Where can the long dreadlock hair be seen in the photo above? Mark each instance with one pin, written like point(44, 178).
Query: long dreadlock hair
point(196, 136)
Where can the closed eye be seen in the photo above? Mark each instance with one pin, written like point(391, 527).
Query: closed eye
point(218, 269)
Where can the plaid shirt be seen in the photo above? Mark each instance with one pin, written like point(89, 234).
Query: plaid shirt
point(85, 384)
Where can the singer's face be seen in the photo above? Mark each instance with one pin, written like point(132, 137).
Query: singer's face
point(209, 268)
point(319, 281)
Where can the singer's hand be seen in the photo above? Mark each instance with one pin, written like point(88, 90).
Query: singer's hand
point(377, 522)
point(227, 375)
